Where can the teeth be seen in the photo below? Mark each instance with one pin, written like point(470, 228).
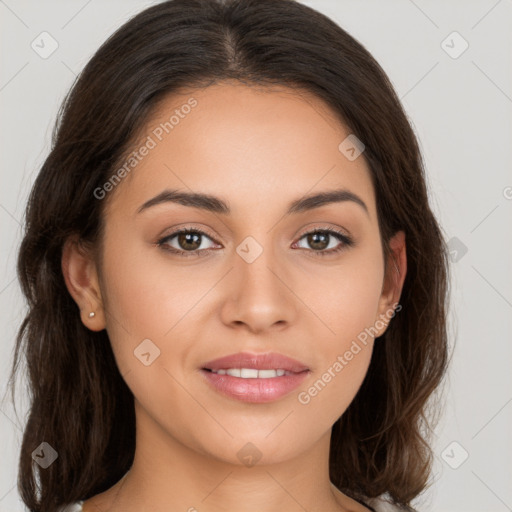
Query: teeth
point(252, 373)
point(247, 373)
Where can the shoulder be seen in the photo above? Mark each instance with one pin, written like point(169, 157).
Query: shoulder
point(381, 504)
point(72, 507)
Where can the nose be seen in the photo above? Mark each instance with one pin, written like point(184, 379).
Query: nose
point(259, 294)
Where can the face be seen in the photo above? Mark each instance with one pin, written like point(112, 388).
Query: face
point(251, 275)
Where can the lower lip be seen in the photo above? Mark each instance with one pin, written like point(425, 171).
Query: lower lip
point(255, 390)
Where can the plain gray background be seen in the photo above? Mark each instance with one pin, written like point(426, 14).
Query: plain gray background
point(460, 103)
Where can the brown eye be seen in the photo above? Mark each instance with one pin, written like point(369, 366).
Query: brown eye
point(318, 240)
point(326, 241)
point(186, 242)
point(189, 241)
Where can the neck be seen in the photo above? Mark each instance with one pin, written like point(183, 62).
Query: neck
point(173, 476)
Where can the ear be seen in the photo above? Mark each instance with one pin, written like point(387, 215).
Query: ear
point(81, 278)
point(393, 282)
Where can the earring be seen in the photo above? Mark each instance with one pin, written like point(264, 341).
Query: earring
point(92, 314)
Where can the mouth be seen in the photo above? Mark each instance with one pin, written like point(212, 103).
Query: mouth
point(251, 373)
point(255, 378)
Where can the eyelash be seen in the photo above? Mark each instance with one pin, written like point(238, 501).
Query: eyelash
point(347, 242)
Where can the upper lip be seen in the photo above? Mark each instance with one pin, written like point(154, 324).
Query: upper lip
point(269, 360)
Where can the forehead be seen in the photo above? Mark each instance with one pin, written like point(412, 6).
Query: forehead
point(247, 144)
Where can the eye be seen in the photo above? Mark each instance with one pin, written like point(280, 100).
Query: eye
point(188, 242)
point(326, 238)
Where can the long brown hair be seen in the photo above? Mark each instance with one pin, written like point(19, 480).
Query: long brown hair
point(80, 404)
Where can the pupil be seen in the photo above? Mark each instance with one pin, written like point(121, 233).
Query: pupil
point(313, 240)
point(189, 238)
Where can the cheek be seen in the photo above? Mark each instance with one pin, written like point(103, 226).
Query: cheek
point(333, 388)
point(153, 298)
point(147, 294)
point(348, 310)
point(344, 355)
point(147, 304)
point(346, 297)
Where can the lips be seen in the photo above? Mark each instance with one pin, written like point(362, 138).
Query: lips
point(255, 378)
point(268, 361)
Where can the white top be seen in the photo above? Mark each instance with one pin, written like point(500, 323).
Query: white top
point(379, 504)
point(73, 507)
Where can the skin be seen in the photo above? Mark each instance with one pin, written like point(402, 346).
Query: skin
point(257, 149)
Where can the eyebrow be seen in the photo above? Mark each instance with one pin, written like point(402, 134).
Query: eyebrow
point(217, 205)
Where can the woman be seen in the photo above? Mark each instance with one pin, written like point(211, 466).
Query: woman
point(237, 289)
